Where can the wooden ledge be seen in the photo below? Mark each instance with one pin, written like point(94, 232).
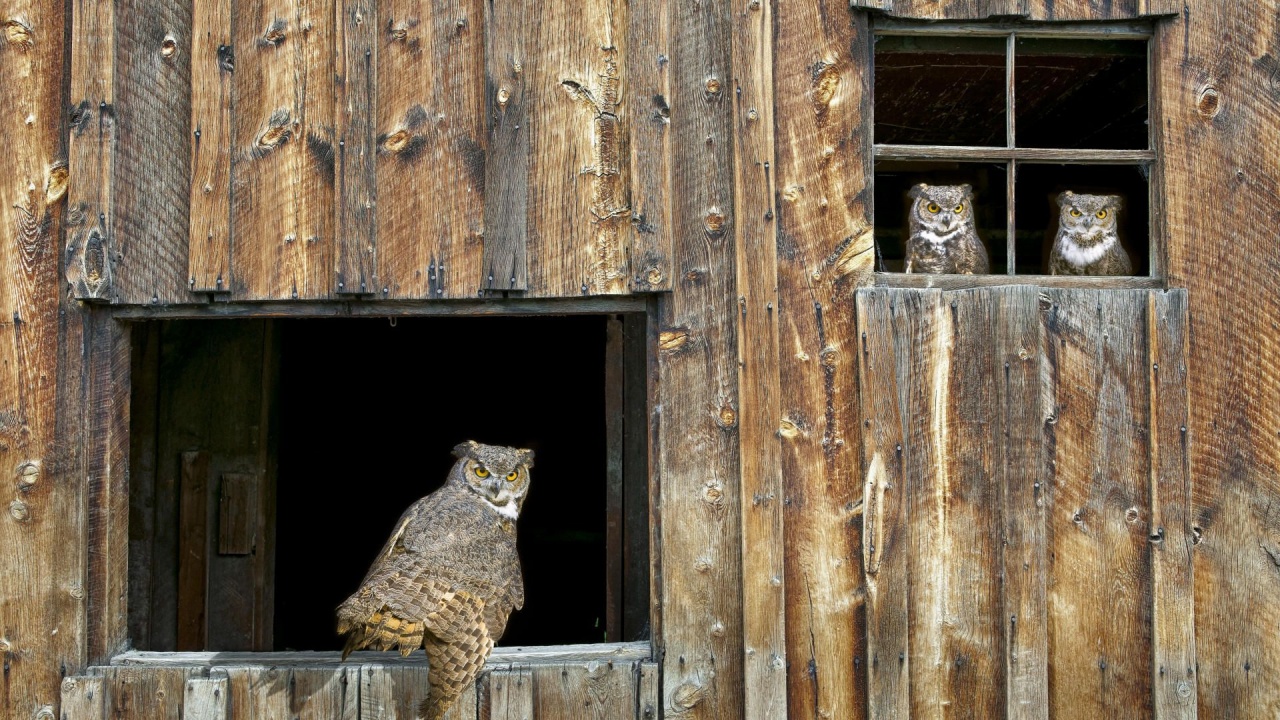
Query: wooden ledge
point(602, 652)
point(962, 282)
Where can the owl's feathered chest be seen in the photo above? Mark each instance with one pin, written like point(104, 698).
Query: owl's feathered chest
point(957, 251)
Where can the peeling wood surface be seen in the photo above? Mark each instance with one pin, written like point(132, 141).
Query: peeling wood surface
point(92, 119)
point(821, 96)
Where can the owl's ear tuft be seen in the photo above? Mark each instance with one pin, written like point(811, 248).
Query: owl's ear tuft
point(1065, 197)
point(917, 191)
point(967, 189)
point(526, 457)
point(466, 450)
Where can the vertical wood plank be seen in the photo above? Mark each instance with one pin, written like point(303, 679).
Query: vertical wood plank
point(88, 174)
point(648, 691)
point(822, 99)
point(238, 514)
point(637, 480)
point(1095, 348)
point(143, 407)
point(377, 692)
point(145, 693)
point(151, 184)
point(1172, 537)
point(325, 693)
point(755, 245)
point(648, 94)
point(511, 693)
point(944, 344)
point(107, 346)
point(212, 65)
point(698, 443)
point(282, 165)
point(431, 148)
point(356, 197)
point(258, 693)
point(193, 550)
point(506, 168)
point(591, 691)
point(1026, 654)
point(206, 697)
point(614, 420)
point(578, 152)
point(82, 698)
point(885, 508)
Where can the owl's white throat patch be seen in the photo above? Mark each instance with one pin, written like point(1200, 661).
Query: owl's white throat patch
point(942, 239)
point(507, 510)
point(1080, 257)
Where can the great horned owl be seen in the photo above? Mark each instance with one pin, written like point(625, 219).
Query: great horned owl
point(1087, 243)
point(943, 238)
point(449, 576)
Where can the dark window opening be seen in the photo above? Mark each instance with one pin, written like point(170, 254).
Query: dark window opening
point(271, 459)
point(1021, 114)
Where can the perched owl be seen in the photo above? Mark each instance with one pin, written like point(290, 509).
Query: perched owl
point(449, 576)
point(943, 238)
point(1087, 243)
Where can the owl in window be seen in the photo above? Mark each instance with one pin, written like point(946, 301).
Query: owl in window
point(449, 576)
point(943, 237)
point(1087, 243)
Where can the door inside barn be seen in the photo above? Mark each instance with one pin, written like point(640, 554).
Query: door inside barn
point(270, 460)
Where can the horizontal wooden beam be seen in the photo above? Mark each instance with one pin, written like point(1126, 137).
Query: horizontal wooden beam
point(1105, 31)
point(960, 282)
point(604, 652)
point(288, 309)
point(1001, 154)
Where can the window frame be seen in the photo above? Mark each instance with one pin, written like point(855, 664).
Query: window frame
point(640, 307)
point(1011, 155)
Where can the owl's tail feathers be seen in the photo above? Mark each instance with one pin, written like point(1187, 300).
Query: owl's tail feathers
point(381, 630)
point(453, 668)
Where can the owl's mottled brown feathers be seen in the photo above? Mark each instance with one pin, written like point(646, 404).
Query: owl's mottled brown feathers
point(449, 576)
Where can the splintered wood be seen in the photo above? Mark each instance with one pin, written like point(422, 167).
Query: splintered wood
point(1019, 426)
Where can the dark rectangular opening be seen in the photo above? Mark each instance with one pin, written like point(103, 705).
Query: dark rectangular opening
point(271, 458)
point(940, 90)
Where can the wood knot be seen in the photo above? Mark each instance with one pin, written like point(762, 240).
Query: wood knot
point(28, 474)
point(1131, 515)
point(826, 83)
point(1209, 102)
point(727, 418)
point(670, 341)
point(18, 34)
point(278, 132)
point(19, 511)
point(788, 429)
point(714, 221)
point(168, 48)
point(397, 141)
point(504, 97)
point(654, 277)
point(55, 183)
point(275, 33)
point(713, 86)
point(702, 565)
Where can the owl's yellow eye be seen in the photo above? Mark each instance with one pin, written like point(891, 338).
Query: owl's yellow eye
point(511, 476)
point(1076, 212)
point(481, 472)
point(933, 208)
point(1102, 214)
point(960, 208)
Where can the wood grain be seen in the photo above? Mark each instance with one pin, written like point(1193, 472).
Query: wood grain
point(282, 162)
point(88, 173)
point(258, 693)
point(150, 694)
point(647, 94)
point(885, 510)
point(1172, 536)
point(697, 439)
point(193, 550)
point(206, 698)
point(1024, 503)
point(510, 693)
point(755, 249)
point(430, 133)
point(1094, 346)
point(212, 66)
point(82, 698)
point(508, 97)
point(578, 153)
point(325, 693)
point(151, 176)
point(592, 691)
point(648, 692)
point(355, 199)
point(821, 97)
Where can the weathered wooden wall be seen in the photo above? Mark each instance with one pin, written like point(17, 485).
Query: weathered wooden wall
point(154, 155)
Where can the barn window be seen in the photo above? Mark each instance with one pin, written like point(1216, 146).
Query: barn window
point(271, 458)
point(1021, 113)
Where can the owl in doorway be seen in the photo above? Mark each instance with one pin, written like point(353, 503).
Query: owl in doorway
point(449, 576)
point(943, 237)
point(1087, 243)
